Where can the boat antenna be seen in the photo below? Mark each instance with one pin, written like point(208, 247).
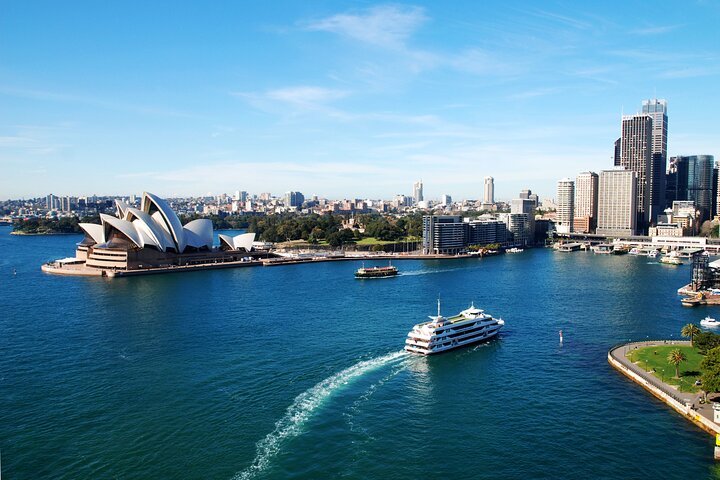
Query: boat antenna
point(438, 306)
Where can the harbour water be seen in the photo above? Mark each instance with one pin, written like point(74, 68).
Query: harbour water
point(297, 371)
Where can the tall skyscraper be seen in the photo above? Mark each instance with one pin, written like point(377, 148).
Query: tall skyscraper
point(586, 202)
point(636, 155)
point(693, 178)
point(700, 184)
point(716, 182)
point(616, 156)
point(657, 110)
point(617, 198)
point(677, 180)
point(527, 194)
point(294, 199)
point(418, 191)
point(522, 217)
point(565, 206)
point(489, 192)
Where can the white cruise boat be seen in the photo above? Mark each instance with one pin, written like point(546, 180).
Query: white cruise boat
point(445, 333)
point(709, 322)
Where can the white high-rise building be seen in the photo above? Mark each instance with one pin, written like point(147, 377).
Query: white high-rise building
point(489, 192)
point(565, 206)
point(617, 198)
point(446, 200)
point(418, 192)
point(586, 202)
point(657, 110)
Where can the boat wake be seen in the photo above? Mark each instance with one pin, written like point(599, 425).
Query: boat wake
point(357, 405)
point(430, 272)
point(303, 407)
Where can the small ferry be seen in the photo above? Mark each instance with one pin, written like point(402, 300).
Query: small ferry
point(376, 272)
point(514, 250)
point(603, 248)
point(671, 260)
point(440, 334)
point(709, 322)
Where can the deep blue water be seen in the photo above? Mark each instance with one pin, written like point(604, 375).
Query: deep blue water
point(296, 371)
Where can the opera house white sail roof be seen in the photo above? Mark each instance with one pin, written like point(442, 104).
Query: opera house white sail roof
point(154, 225)
point(237, 242)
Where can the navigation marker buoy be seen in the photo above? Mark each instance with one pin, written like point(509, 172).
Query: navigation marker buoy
point(561, 336)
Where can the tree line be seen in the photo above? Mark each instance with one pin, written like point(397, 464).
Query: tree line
point(312, 228)
point(44, 226)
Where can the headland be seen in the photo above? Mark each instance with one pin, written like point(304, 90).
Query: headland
point(686, 404)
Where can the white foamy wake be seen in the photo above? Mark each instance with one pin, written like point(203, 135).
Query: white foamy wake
point(302, 408)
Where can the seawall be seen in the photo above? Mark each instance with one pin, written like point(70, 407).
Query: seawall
point(682, 404)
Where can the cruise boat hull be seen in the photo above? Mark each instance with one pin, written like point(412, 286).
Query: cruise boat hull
point(459, 344)
point(469, 327)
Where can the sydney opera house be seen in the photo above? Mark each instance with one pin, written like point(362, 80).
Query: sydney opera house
point(152, 236)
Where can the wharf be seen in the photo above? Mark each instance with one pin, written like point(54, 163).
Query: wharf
point(271, 262)
point(80, 269)
point(694, 298)
point(686, 404)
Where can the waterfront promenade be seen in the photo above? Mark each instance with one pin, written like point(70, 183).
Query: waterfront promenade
point(73, 267)
point(686, 403)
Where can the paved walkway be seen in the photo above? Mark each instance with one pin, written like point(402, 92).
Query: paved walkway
point(620, 354)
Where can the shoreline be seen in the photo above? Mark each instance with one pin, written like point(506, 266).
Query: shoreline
point(26, 234)
point(683, 403)
point(80, 270)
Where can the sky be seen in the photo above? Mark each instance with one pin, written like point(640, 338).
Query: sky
point(341, 99)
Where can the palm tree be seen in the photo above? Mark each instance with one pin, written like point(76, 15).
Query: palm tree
point(690, 330)
point(676, 357)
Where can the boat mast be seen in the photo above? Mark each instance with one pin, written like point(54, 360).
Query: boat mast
point(438, 307)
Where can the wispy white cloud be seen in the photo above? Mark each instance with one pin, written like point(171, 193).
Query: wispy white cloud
point(387, 26)
point(305, 95)
point(656, 30)
point(391, 27)
point(31, 141)
point(14, 141)
point(482, 62)
point(562, 19)
point(538, 92)
point(690, 72)
point(51, 96)
point(293, 101)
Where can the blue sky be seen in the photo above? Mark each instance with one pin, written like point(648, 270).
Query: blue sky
point(341, 99)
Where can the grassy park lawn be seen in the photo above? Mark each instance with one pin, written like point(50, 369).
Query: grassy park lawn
point(375, 241)
point(654, 359)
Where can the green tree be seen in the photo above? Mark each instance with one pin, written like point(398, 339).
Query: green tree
point(676, 357)
point(334, 239)
point(690, 330)
point(706, 341)
point(710, 366)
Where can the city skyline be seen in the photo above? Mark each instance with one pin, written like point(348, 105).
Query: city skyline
point(339, 100)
